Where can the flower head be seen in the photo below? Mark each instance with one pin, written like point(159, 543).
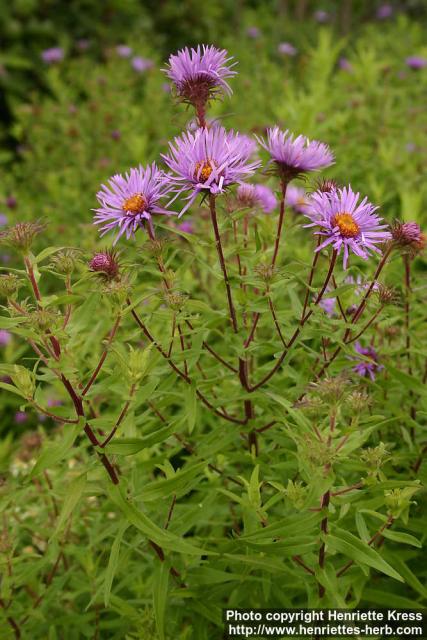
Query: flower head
point(21, 235)
point(287, 49)
point(369, 366)
point(209, 161)
point(384, 11)
point(256, 195)
point(295, 156)
point(409, 237)
point(321, 16)
point(346, 223)
point(5, 337)
point(253, 32)
point(345, 65)
point(127, 201)
point(416, 62)
point(200, 74)
point(140, 64)
point(52, 55)
point(105, 263)
point(297, 198)
point(123, 51)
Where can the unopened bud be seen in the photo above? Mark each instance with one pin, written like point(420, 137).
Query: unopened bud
point(24, 380)
point(21, 235)
point(64, 262)
point(9, 284)
point(106, 263)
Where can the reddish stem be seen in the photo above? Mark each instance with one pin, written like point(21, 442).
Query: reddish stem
point(280, 223)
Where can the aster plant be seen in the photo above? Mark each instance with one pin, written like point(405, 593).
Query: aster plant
point(212, 388)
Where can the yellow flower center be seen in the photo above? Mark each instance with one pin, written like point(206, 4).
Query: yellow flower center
point(203, 170)
point(346, 224)
point(135, 204)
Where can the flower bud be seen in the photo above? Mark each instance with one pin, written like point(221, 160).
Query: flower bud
point(43, 320)
point(358, 401)
point(408, 237)
point(64, 262)
point(386, 295)
point(296, 493)
point(9, 284)
point(106, 263)
point(24, 380)
point(265, 271)
point(175, 300)
point(331, 390)
point(21, 235)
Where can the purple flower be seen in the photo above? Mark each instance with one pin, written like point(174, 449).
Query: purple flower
point(106, 263)
point(346, 223)
point(410, 147)
point(384, 11)
point(127, 201)
point(186, 226)
point(321, 16)
point(166, 87)
point(253, 32)
point(140, 64)
point(208, 160)
point(345, 65)
point(294, 156)
point(5, 337)
point(256, 195)
point(328, 305)
point(123, 51)
point(21, 417)
point(297, 198)
point(369, 365)
point(416, 62)
point(200, 74)
point(52, 55)
point(53, 402)
point(287, 49)
point(408, 235)
point(3, 219)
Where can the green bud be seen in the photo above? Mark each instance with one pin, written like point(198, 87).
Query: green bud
point(175, 300)
point(24, 380)
point(9, 284)
point(64, 262)
point(399, 501)
point(21, 235)
point(296, 493)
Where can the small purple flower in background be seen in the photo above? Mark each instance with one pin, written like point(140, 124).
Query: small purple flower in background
point(53, 402)
point(209, 160)
point(328, 305)
point(123, 51)
point(369, 366)
point(295, 156)
point(186, 226)
point(416, 62)
point(21, 417)
point(321, 16)
point(11, 202)
point(410, 147)
point(287, 49)
point(345, 65)
point(115, 134)
point(384, 11)
point(256, 195)
point(52, 55)
point(346, 223)
point(200, 74)
point(253, 32)
point(297, 198)
point(140, 64)
point(3, 219)
point(166, 87)
point(130, 200)
point(5, 337)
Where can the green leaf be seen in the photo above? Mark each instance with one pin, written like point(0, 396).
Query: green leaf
point(72, 498)
point(113, 563)
point(359, 551)
point(160, 594)
point(404, 538)
point(55, 453)
point(180, 484)
point(190, 406)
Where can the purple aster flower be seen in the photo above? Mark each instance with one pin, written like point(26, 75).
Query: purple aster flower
point(347, 223)
point(186, 226)
point(321, 16)
point(209, 160)
point(416, 62)
point(124, 51)
point(369, 366)
point(5, 337)
point(127, 201)
point(200, 74)
point(384, 11)
point(328, 305)
point(297, 198)
point(21, 417)
point(253, 32)
point(166, 87)
point(3, 219)
point(140, 64)
point(345, 65)
point(256, 195)
point(294, 156)
point(408, 236)
point(287, 49)
point(52, 55)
